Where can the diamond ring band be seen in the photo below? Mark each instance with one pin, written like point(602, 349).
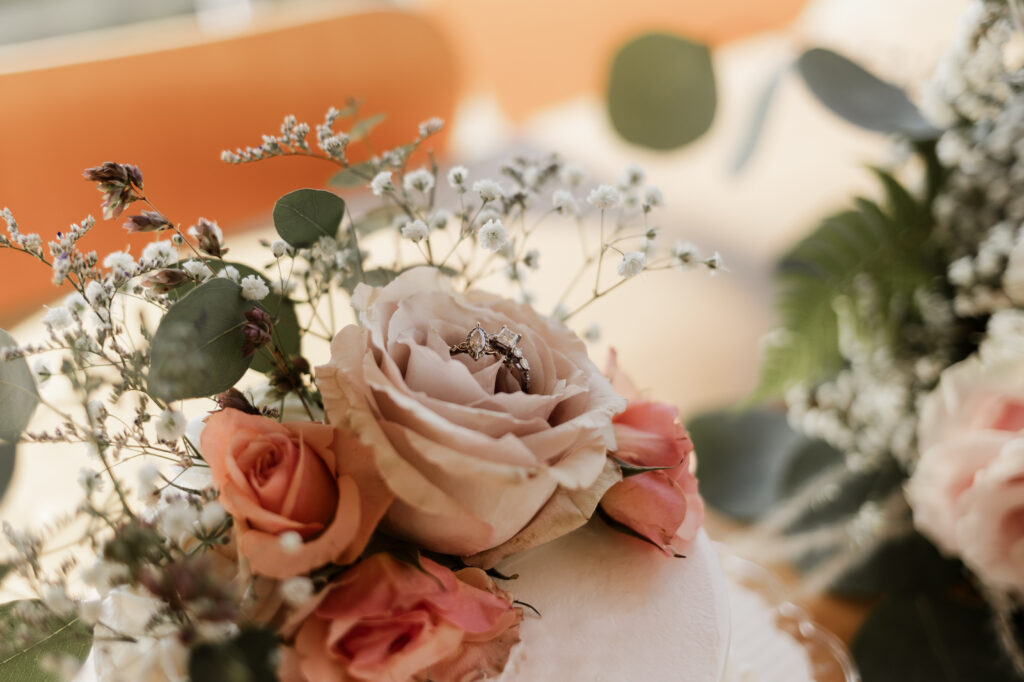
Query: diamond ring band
point(504, 345)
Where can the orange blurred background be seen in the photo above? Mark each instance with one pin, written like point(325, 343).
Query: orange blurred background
point(169, 97)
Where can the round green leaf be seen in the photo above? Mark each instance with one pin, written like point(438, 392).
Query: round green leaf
point(197, 349)
point(18, 395)
point(286, 322)
point(924, 637)
point(303, 216)
point(65, 637)
point(661, 91)
point(860, 97)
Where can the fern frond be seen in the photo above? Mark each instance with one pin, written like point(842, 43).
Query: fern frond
point(885, 246)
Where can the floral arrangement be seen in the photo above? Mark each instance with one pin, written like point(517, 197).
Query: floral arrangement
point(338, 514)
point(902, 346)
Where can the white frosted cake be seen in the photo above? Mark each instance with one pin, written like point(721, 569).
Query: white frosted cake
point(614, 609)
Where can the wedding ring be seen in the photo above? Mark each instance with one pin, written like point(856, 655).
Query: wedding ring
point(504, 344)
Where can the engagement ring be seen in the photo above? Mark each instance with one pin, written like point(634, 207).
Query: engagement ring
point(504, 345)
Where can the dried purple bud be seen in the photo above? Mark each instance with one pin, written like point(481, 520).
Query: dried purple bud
point(257, 331)
point(209, 237)
point(149, 221)
point(120, 183)
point(163, 281)
point(236, 400)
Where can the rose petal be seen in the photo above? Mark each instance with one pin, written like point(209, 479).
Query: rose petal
point(651, 503)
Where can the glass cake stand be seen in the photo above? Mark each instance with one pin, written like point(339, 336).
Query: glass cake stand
point(781, 642)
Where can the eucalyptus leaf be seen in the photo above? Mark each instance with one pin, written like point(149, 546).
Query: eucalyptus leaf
point(18, 394)
point(377, 277)
point(744, 459)
point(356, 175)
point(364, 127)
point(929, 636)
point(197, 349)
point(379, 218)
point(287, 333)
point(661, 91)
point(66, 637)
point(305, 215)
point(757, 120)
point(860, 97)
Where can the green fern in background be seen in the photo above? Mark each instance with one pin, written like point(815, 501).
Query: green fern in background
point(882, 247)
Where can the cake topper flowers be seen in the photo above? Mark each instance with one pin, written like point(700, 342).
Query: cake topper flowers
point(313, 515)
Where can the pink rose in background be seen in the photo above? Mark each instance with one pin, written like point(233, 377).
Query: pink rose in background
point(475, 463)
point(967, 492)
point(304, 477)
point(388, 621)
point(664, 505)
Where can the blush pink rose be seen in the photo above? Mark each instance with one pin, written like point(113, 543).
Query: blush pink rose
point(387, 621)
point(475, 463)
point(664, 505)
point(967, 491)
point(304, 477)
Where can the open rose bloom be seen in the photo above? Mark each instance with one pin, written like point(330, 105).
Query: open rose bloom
point(474, 463)
point(967, 491)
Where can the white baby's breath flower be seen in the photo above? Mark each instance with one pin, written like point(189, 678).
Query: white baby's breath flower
point(381, 183)
point(420, 180)
point(564, 203)
point(230, 272)
point(296, 591)
point(652, 197)
point(415, 230)
point(197, 269)
point(103, 575)
point(213, 515)
point(290, 541)
point(492, 235)
point(58, 318)
point(632, 176)
point(170, 425)
point(160, 253)
point(149, 477)
point(457, 177)
point(254, 288)
point(279, 248)
point(439, 220)
point(593, 332)
point(632, 264)
point(96, 411)
point(178, 519)
point(686, 253)
point(488, 189)
point(431, 126)
point(120, 262)
point(604, 197)
point(89, 480)
point(714, 264)
point(572, 175)
point(532, 259)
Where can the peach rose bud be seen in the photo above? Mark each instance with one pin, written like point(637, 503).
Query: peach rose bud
point(300, 480)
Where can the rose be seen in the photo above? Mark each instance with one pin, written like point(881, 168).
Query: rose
point(391, 621)
point(472, 460)
point(662, 505)
point(967, 491)
point(301, 477)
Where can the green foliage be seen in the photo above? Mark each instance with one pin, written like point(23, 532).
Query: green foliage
point(884, 246)
point(362, 128)
point(197, 349)
point(661, 91)
point(861, 97)
point(356, 175)
point(928, 636)
point(62, 637)
point(287, 333)
point(305, 215)
point(18, 395)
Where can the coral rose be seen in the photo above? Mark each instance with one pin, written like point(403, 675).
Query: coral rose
point(473, 461)
point(967, 491)
point(304, 477)
point(663, 505)
point(388, 621)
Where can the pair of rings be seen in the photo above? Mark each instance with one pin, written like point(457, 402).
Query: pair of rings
point(503, 345)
